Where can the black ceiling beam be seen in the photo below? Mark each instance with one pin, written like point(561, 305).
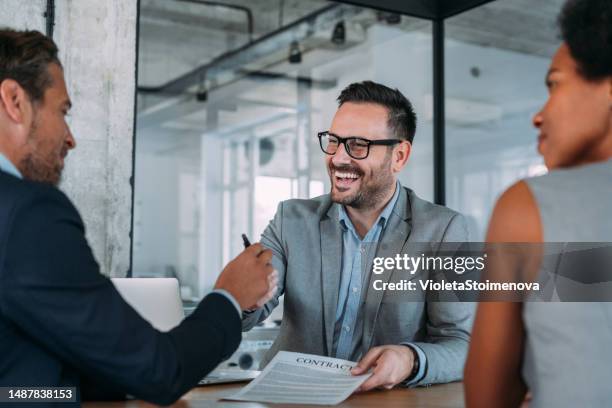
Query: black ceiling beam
point(427, 9)
point(449, 8)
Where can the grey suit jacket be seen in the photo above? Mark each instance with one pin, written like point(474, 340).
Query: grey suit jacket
point(305, 237)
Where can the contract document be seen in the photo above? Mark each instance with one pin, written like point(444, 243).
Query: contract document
point(296, 378)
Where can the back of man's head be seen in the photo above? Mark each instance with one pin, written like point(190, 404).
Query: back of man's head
point(25, 57)
point(401, 117)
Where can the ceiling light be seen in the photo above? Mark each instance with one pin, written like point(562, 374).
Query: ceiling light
point(295, 55)
point(339, 33)
point(202, 92)
point(389, 18)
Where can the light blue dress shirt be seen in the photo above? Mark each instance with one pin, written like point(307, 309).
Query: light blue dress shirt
point(355, 252)
point(8, 167)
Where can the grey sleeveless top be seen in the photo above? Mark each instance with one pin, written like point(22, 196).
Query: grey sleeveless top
point(568, 345)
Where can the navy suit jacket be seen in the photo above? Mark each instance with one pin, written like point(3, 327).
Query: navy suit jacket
point(62, 323)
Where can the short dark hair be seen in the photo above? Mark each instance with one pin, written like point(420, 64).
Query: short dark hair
point(586, 28)
point(25, 57)
point(401, 117)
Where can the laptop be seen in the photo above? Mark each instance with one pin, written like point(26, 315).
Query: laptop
point(158, 301)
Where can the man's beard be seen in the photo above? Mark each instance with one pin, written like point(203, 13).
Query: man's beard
point(371, 193)
point(36, 166)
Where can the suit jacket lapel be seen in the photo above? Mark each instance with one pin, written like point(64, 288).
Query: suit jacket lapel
point(392, 242)
point(331, 254)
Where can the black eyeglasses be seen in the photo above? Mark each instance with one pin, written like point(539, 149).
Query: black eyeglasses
point(356, 147)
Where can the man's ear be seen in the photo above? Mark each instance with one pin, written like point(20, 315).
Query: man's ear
point(401, 155)
point(15, 101)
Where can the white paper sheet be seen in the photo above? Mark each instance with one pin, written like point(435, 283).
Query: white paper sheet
point(296, 378)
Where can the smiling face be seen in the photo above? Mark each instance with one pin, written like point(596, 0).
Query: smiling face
point(364, 184)
point(576, 122)
point(49, 138)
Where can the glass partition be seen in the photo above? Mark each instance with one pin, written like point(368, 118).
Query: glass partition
point(228, 112)
point(497, 56)
point(214, 160)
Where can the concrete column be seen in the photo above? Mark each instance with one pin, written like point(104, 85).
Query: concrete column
point(97, 40)
point(22, 15)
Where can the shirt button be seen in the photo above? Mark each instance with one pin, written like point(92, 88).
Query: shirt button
point(355, 289)
point(347, 328)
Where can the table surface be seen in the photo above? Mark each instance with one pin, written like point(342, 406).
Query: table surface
point(436, 396)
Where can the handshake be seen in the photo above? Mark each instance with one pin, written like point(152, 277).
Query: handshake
point(250, 278)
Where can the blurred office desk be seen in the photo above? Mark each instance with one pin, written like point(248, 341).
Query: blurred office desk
point(437, 396)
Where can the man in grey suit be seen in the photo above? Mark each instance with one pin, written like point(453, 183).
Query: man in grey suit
point(320, 245)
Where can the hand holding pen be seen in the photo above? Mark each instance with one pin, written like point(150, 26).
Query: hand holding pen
point(273, 282)
point(249, 277)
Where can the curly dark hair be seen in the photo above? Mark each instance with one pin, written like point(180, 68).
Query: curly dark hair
point(25, 57)
point(401, 116)
point(586, 27)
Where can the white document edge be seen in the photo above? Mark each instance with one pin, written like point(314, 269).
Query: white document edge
point(288, 357)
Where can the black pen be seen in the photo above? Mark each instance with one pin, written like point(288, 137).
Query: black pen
point(245, 241)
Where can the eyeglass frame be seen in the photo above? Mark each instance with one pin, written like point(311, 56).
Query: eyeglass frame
point(344, 140)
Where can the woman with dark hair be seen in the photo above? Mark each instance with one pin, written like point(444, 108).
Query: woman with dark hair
point(558, 352)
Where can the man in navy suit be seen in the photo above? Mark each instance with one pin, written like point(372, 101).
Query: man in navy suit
point(62, 323)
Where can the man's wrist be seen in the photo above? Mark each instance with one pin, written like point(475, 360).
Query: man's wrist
point(416, 364)
point(422, 368)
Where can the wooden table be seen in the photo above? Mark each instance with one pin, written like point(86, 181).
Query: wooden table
point(437, 396)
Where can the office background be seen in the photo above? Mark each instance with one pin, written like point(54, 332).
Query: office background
point(194, 118)
point(228, 112)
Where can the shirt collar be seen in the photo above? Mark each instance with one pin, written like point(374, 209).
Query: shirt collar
point(8, 167)
point(345, 221)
